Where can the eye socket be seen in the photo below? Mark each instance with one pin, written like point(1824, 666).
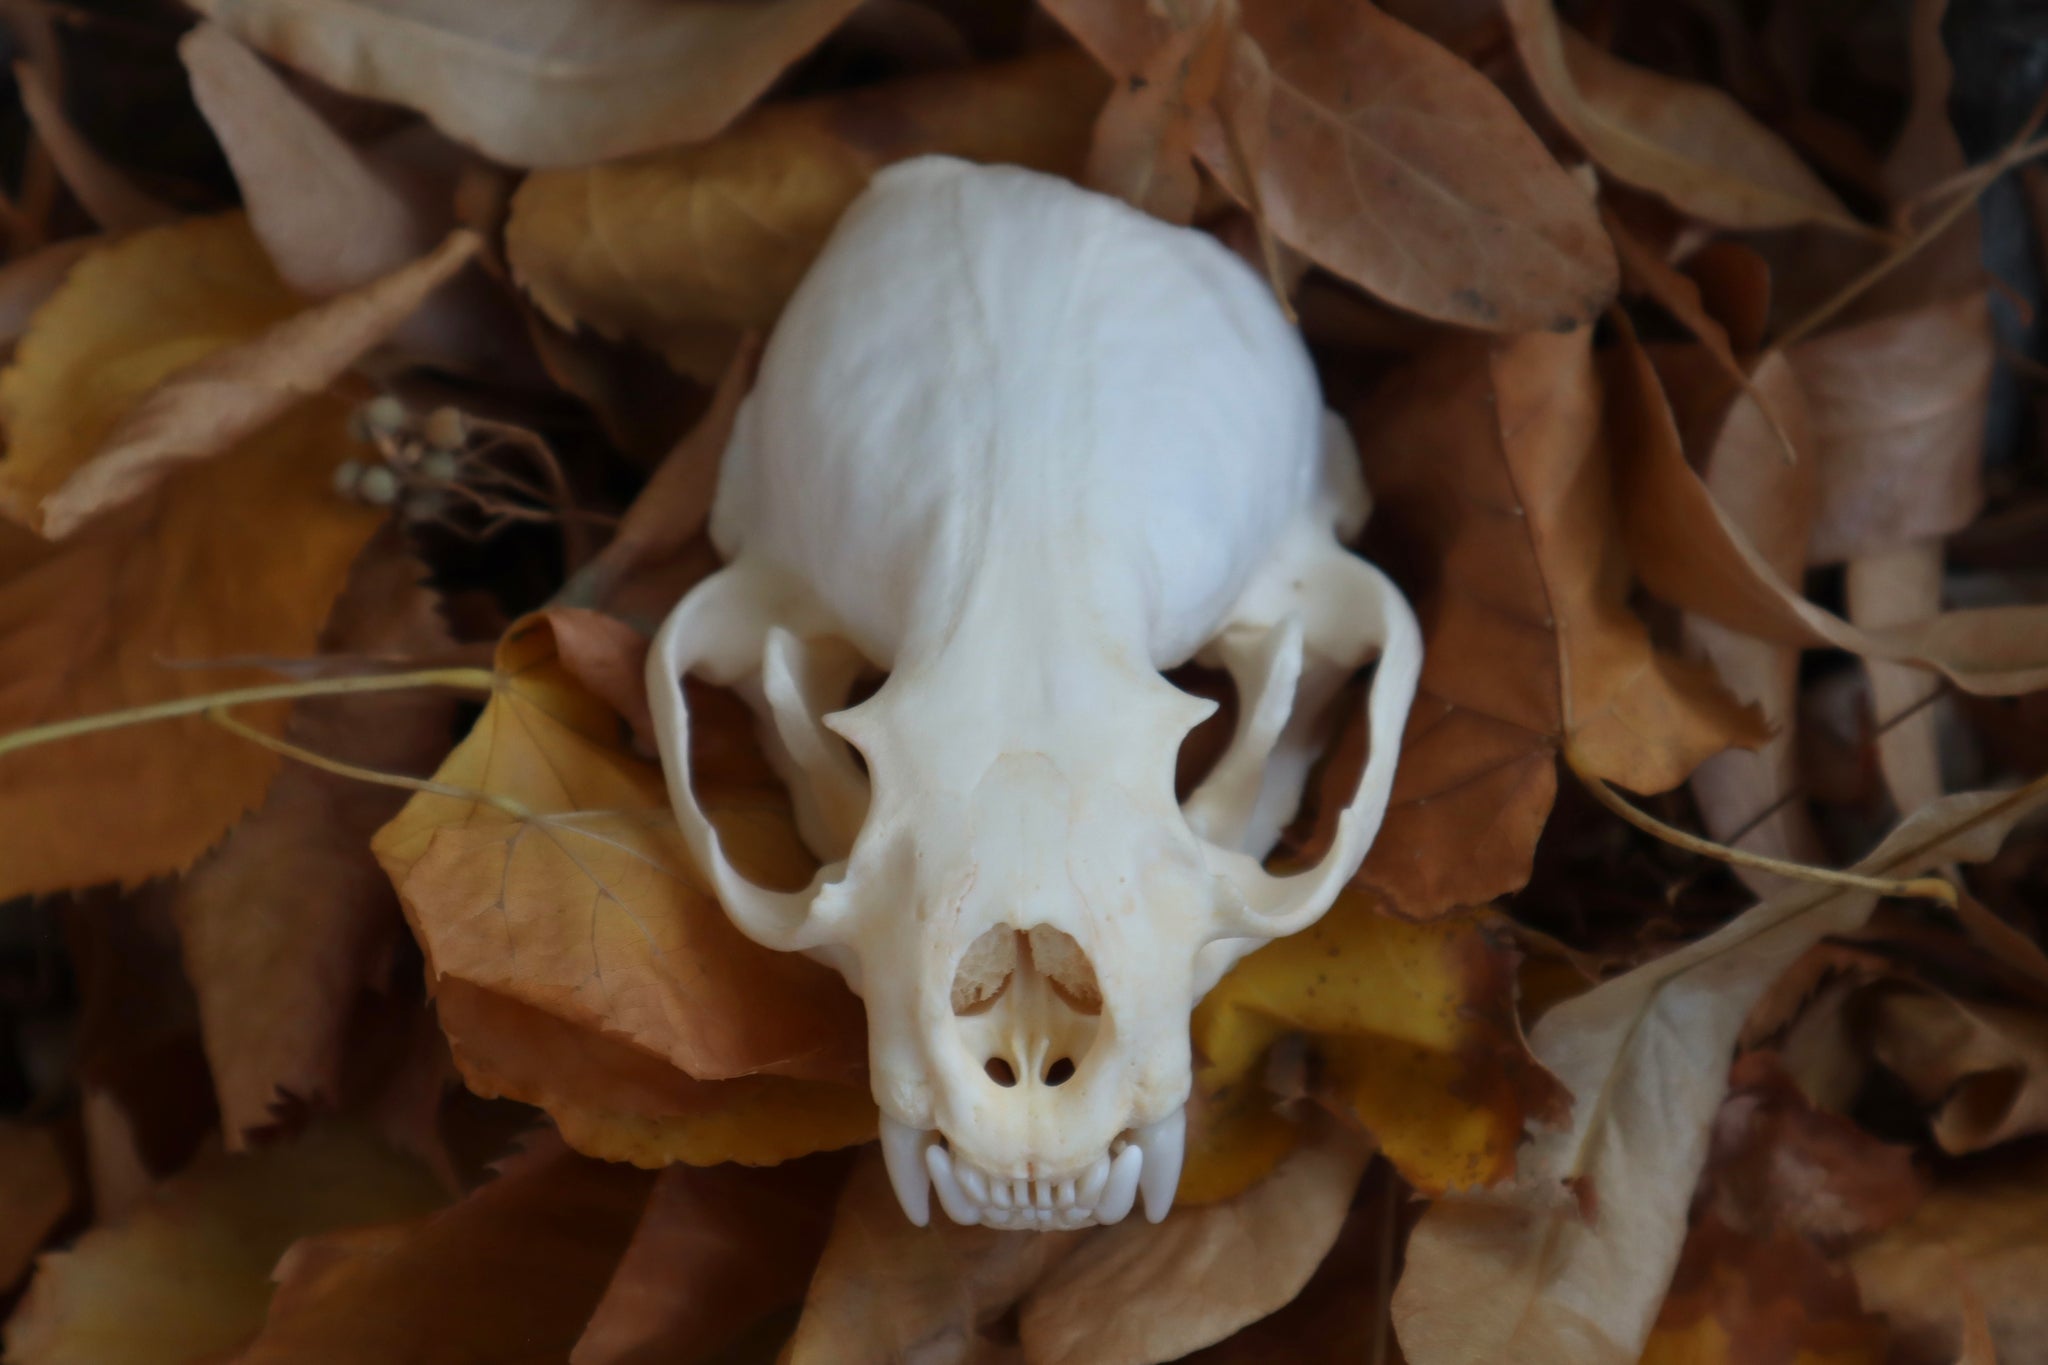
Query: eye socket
point(1001, 1072)
point(1060, 1072)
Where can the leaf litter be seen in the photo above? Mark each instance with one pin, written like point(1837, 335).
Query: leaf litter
point(367, 366)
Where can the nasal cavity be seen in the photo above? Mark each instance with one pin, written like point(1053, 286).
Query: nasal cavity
point(1028, 1003)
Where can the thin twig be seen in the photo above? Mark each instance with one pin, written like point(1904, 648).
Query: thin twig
point(219, 716)
point(462, 679)
point(1915, 888)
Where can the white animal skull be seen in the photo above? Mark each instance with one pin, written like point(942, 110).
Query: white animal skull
point(1023, 448)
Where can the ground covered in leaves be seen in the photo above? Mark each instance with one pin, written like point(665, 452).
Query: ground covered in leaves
point(368, 364)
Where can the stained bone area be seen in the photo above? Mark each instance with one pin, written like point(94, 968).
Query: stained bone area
point(1028, 1002)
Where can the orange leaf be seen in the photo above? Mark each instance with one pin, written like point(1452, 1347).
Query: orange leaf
point(237, 557)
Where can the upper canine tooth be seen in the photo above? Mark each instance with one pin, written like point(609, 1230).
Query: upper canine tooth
point(1164, 1144)
point(1121, 1191)
point(958, 1206)
point(903, 1154)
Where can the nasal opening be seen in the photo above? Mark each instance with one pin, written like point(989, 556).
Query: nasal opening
point(1029, 1003)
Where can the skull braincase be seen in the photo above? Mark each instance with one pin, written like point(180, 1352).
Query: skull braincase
point(1022, 448)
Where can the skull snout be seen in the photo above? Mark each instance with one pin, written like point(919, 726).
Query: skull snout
point(1028, 1004)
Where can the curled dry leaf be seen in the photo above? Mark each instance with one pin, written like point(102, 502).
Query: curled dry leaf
point(1689, 553)
point(220, 399)
point(35, 1194)
point(1414, 1038)
point(1982, 1067)
point(1576, 1254)
point(535, 83)
point(1132, 1294)
point(1982, 1233)
point(888, 1291)
point(584, 908)
point(290, 920)
point(1143, 151)
point(127, 317)
point(1488, 465)
point(715, 1251)
point(1690, 144)
point(1442, 200)
point(330, 219)
point(187, 1275)
point(509, 1275)
point(684, 249)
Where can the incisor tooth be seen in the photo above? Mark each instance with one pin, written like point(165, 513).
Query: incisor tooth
point(1064, 1196)
point(958, 1206)
point(972, 1181)
point(1091, 1184)
point(1121, 1190)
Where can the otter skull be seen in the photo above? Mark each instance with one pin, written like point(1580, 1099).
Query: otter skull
point(1022, 448)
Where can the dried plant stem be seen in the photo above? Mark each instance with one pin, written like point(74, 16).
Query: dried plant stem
point(219, 716)
point(1915, 888)
point(462, 679)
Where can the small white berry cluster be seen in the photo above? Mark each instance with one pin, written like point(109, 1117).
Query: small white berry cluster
point(419, 458)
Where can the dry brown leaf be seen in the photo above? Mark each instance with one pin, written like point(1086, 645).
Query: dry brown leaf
point(535, 83)
point(1133, 1294)
point(1576, 1254)
point(1690, 144)
point(235, 558)
point(221, 399)
point(290, 920)
point(1414, 1039)
point(35, 1194)
point(887, 1291)
point(1388, 160)
point(1982, 1067)
point(1488, 469)
point(684, 249)
point(1889, 588)
point(1898, 410)
point(715, 1251)
point(187, 1275)
point(1982, 1231)
point(128, 316)
point(330, 219)
point(1689, 553)
point(509, 1275)
point(618, 1102)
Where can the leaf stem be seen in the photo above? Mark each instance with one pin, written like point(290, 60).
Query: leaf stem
point(464, 679)
point(1919, 888)
point(219, 716)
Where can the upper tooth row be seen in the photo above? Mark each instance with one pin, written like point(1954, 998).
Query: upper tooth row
point(1149, 1164)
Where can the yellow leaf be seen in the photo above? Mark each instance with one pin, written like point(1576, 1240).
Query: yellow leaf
point(683, 249)
point(1414, 1025)
point(131, 315)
